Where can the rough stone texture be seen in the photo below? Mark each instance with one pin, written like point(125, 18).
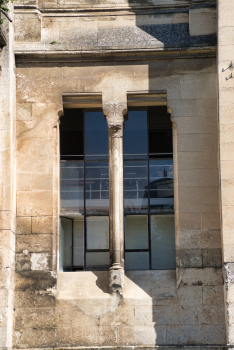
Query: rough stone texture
point(225, 86)
point(107, 47)
point(160, 308)
point(7, 185)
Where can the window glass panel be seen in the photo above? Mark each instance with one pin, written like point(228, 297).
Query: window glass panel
point(136, 186)
point(78, 243)
point(136, 260)
point(72, 185)
point(97, 187)
point(71, 134)
point(136, 232)
point(135, 142)
point(160, 130)
point(161, 185)
point(96, 136)
point(66, 249)
point(162, 242)
point(98, 232)
point(98, 260)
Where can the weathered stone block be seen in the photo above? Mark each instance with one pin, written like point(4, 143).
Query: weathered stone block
point(34, 318)
point(201, 82)
point(214, 334)
point(42, 224)
point(165, 315)
point(41, 261)
point(34, 203)
point(42, 182)
point(23, 261)
point(201, 277)
point(190, 295)
point(185, 335)
point(212, 295)
point(202, 21)
point(41, 281)
point(28, 27)
point(211, 257)
point(23, 182)
point(191, 257)
point(23, 225)
point(23, 111)
point(34, 243)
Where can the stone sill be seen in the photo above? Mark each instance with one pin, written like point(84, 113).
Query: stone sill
point(144, 285)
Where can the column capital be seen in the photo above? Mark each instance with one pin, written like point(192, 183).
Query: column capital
point(114, 112)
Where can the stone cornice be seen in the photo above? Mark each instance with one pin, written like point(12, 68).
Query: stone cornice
point(32, 58)
point(134, 8)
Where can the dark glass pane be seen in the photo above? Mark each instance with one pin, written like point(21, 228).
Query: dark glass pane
point(71, 134)
point(136, 232)
point(98, 232)
point(160, 130)
point(98, 260)
point(78, 244)
point(161, 186)
point(72, 186)
point(66, 244)
point(96, 136)
point(135, 141)
point(136, 186)
point(162, 242)
point(97, 187)
point(136, 261)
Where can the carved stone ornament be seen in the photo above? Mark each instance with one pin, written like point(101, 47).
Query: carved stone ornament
point(115, 130)
point(115, 112)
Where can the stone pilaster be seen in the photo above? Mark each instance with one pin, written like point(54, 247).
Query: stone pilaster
point(115, 118)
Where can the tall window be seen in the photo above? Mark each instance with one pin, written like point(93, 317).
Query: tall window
point(148, 190)
point(84, 198)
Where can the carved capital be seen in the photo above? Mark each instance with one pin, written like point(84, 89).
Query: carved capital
point(114, 112)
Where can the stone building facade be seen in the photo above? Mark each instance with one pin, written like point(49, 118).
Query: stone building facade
point(114, 58)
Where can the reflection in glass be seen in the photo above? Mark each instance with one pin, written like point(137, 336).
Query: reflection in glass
point(96, 136)
point(97, 187)
point(136, 260)
point(135, 145)
point(136, 186)
point(162, 242)
point(78, 243)
point(98, 260)
point(66, 244)
point(98, 232)
point(72, 185)
point(136, 232)
point(161, 185)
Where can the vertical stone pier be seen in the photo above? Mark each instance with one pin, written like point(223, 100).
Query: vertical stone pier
point(225, 59)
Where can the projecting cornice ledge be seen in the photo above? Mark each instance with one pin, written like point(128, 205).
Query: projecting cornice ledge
point(32, 58)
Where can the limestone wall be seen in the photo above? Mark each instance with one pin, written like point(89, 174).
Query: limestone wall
point(7, 185)
point(184, 307)
point(226, 110)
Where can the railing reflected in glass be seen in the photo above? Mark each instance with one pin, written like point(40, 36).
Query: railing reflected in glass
point(149, 190)
point(84, 191)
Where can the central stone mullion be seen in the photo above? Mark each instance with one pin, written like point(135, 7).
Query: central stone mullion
point(116, 192)
point(114, 114)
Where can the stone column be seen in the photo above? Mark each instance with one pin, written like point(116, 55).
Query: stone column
point(115, 118)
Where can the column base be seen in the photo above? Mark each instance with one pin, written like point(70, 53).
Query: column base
point(116, 280)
